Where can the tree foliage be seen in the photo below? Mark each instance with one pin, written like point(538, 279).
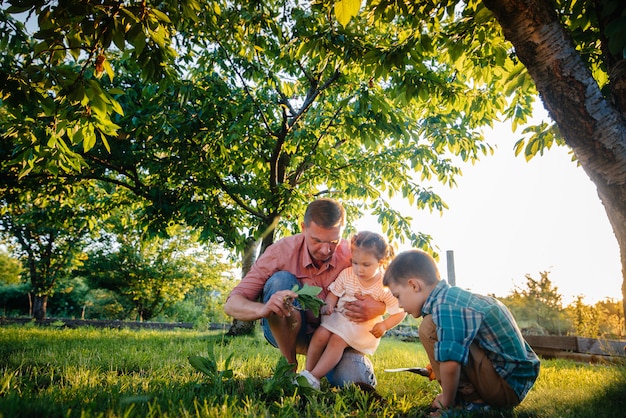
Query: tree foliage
point(253, 109)
point(149, 275)
point(575, 53)
point(10, 269)
point(267, 106)
point(47, 228)
point(54, 102)
point(539, 303)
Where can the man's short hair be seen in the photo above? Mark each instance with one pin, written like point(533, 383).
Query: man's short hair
point(326, 213)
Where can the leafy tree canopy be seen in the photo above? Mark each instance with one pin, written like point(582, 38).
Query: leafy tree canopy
point(243, 113)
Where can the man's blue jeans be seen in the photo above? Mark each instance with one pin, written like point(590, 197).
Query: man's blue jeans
point(354, 366)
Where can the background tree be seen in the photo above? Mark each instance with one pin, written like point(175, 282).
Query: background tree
point(148, 275)
point(539, 303)
point(10, 269)
point(612, 325)
point(586, 319)
point(47, 229)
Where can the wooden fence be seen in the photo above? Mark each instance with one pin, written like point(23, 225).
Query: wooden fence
point(578, 348)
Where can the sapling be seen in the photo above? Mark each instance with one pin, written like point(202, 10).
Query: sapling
point(307, 298)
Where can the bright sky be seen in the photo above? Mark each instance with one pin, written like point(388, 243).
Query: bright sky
point(509, 218)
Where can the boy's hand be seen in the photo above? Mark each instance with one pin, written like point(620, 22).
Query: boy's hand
point(440, 403)
point(326, 310)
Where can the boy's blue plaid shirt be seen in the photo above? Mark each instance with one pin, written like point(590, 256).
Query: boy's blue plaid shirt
point(462, 317)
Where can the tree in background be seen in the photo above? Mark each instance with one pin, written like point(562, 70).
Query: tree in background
point(605, 319)
point(538, 308)
point(13, 289)
point(586, 319)
point(613, 311)
point(10, 269)
point(47, 229)
point(539, 304)
point(146, 275)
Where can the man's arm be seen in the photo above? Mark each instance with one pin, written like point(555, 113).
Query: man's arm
point(364, 308)
point(244, 309)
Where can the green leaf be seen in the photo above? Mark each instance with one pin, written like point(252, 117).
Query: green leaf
point(308, 290)
point(203, 364)
point(307, 297)
point(160, 15)
point(346, 10)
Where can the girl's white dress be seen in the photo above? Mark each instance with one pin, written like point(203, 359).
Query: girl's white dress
point(357, 334)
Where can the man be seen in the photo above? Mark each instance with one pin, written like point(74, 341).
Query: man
point(314, 257)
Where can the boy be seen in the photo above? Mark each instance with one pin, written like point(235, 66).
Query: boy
point(476, 349)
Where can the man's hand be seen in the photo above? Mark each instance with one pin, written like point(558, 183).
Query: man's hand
point(281, 303)
point(364, 308)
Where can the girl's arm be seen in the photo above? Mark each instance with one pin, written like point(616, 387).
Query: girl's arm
point(390, 322)
point(331, 302)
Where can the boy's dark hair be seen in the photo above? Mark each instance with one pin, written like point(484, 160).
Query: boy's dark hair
point(326, 213)
point(409, 265)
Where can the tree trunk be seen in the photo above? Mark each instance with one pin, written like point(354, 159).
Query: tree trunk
point(594, 127)
point(40, 304)
point(247, 260)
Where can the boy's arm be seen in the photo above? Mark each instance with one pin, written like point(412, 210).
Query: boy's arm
point(450, 373)
point(391, 321)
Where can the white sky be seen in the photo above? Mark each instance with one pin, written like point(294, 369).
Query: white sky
point(509, 218)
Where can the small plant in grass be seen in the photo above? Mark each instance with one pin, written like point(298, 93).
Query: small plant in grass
point(209, 366)
point(283, 382)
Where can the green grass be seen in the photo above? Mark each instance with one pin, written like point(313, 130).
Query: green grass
point(51, 372)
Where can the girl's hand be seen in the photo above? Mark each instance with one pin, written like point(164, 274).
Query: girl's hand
point(379, 330)
point(326, 310)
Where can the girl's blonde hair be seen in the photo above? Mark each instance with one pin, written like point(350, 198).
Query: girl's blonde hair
point(374, 243)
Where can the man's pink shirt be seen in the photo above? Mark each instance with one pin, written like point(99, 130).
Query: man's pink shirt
point(291, 254)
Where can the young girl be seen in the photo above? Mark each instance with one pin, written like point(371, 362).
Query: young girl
point(370, 255)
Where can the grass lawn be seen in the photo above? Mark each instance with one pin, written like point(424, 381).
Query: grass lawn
point(54, 372)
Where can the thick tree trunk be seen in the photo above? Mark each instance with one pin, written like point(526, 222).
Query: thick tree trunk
point(40, 304)
point(591, 125)
point(247, 260)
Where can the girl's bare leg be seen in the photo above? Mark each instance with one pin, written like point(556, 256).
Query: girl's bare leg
point(317, 345)
point(330, 357)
